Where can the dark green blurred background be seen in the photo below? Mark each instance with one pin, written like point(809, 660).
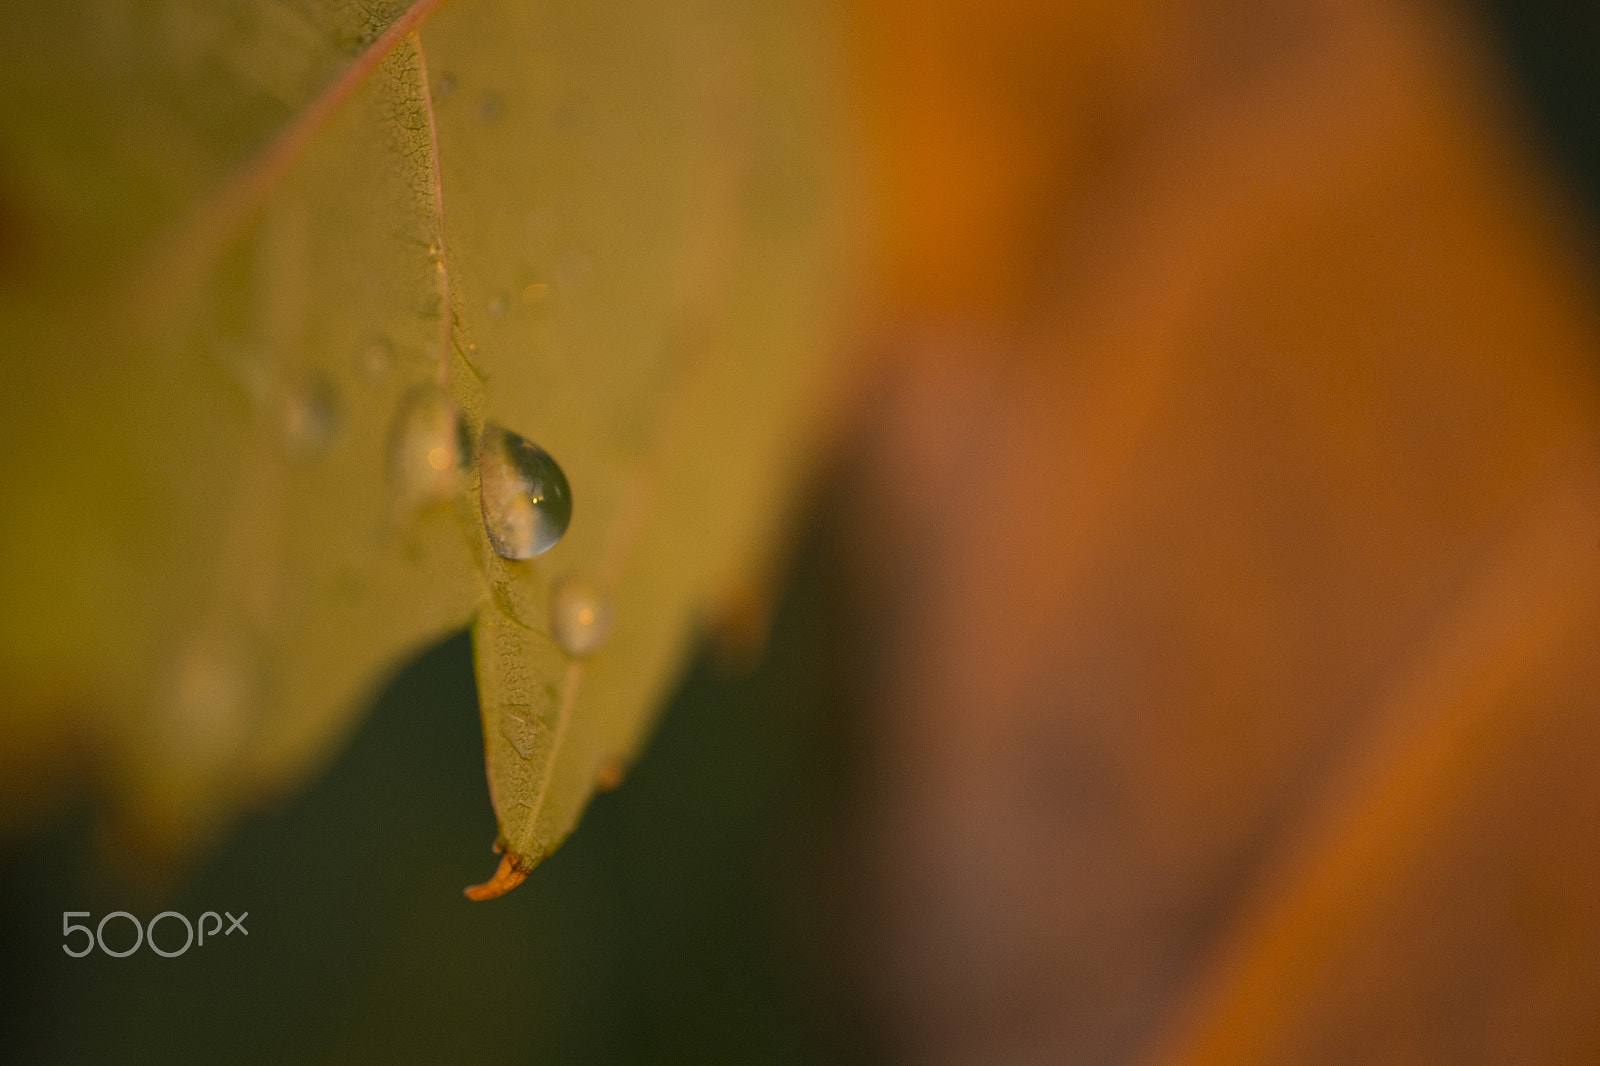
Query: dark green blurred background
point(694, 916)
point(681, 923)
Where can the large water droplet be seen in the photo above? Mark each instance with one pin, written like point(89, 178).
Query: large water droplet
point(426, 450)
point(310, 417)
point(526, 501)
point(580, 616)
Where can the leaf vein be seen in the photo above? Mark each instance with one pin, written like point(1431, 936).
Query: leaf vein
point(185, 253)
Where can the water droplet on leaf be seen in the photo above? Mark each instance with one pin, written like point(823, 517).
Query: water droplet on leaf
point(447, 85)
point(526, 501)
point(425, 451)
point(492, 108)
point(580, 616)
point(499, 305)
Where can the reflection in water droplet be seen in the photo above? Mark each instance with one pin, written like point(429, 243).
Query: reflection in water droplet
point(580, 616)
point(375, 361)
point(492, 108)
point(499, 305)
point(425, 451)
point(526, 501)
point(310, 417)
point(519, 731)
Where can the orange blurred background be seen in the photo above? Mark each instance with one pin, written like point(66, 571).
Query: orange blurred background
point(1231, 504)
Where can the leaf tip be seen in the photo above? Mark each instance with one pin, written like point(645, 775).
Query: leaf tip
point(510, 873)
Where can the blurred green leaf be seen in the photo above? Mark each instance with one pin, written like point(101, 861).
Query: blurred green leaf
point(256, 255)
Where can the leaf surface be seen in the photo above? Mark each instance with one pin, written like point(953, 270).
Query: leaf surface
point(258, 248)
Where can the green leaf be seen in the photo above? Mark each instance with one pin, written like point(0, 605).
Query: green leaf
point(259, 252)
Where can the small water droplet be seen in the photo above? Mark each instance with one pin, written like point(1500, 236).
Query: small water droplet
point(536, 292)
point(310, 417)
point(519, 731)
point(580, 616)
point(426, 449)
point(447, 85)
point(526, 501)
point(375, 361)
point(499, 305)
point(492, 109)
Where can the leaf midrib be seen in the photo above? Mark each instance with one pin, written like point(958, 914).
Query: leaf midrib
point(183, 254)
